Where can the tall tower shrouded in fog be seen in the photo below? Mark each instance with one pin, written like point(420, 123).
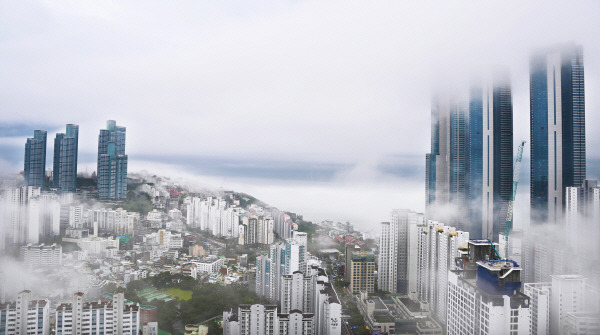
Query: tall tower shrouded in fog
point(557, 112)
point(112, 162)
point(65, 159)
point(446, 164)
point(35, 159)
point(490, 155)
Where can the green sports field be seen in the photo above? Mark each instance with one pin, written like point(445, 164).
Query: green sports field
point(178, 293)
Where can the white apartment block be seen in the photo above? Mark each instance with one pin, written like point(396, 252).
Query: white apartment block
point(539, 293)
point(398, 258)
point(438, 247)
point(208, 264)
point(25, 316)
point(117, 221)
point(26, 215)
point(297, 293)
point(284, 258)
point(264, 319)
point(388, 257)
point(90, 318)
point(42, 255)
point(251, 320)
point(486, 299)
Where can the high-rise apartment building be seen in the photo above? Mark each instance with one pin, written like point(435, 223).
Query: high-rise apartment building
point(362, 272)
point(582, 204)
point(284, 258)
point(264, 319)
point(35, 159)
point(41, 255)
point(484, 298)
point(438, 248)
point(397, 272)
point(490, 168)
point(388, 258)
point(25, 316)
point(557, 128)
point(97, 317)
point(112, 162)
point(65, 159)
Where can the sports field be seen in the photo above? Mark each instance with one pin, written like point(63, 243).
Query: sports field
point(178, 293)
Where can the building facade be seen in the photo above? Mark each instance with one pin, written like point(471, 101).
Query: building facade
point(490, 168)
point(64, 172)
point(112, 162)
point(35, 159)
point(557, 129)
point(42, 255)
point(97, 317)
point(362, 272)
point(25, 316)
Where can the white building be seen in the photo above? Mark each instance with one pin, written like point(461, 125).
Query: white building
point(539, 293)
point(95, 317)
point(567, 295)
point(251, 320)
point(398, 252)
point(42, 255)
point(25, 316)
point(484, 297)
point(388, 257)
point(438, 247)
point(209, 264)
point(296, 293)
point(264, 319)
point(97, 245)
point(284, 258)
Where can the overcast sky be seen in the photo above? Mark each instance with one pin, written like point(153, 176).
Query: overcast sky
point(324, 101)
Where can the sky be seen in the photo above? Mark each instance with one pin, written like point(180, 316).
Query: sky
point(318, 107)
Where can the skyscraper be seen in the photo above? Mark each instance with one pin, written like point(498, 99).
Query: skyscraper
point(35, 159)
point(557, 112)
point(490, 155)
point(447, 164)
point(398, 252)
point(65, 159)
point(112, 162)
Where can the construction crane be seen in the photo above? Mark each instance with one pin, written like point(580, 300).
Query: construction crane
point(511, 202)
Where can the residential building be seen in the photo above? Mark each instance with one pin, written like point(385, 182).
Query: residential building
point(557, 111)
point(362, 272)
point(446, 182)
point(296, 292)
point(25, 316)
point(251, 320)
point(284, 258)
point(438, 247)
point(397, 272)
point(484, 295)
point(490, 155)
point(539, 294)
point(582, 210)
point(112, 162)
point(97, 317)
point(35, 159)
point(65, 159)
point(42, 255)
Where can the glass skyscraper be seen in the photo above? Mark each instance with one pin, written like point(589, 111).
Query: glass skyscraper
point(557, 112)
point(65, 159)
point(35, 159)
point(447, 165)
point(490, 155)
point(112, 162)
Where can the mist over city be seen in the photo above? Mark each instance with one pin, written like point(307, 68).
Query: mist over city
point(299, 167)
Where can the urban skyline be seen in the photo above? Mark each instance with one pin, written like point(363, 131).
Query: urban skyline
point(392, 154)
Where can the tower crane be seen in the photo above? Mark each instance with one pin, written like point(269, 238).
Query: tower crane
point(511, 202)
